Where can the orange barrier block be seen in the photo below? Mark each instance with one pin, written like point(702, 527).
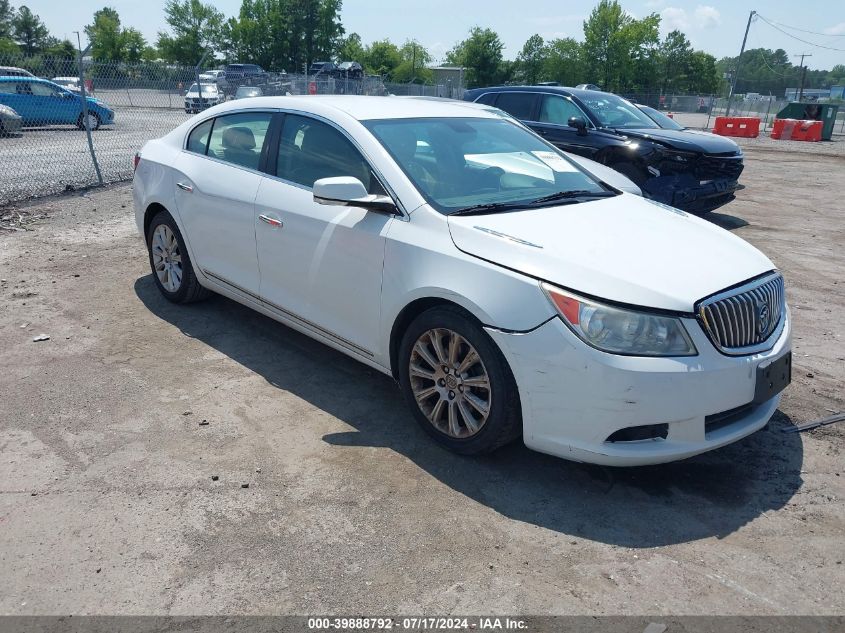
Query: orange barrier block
point(746, 126)
point(797, 130)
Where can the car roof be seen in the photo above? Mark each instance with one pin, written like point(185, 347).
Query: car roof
point(26, 78)
point(364, 108)
point(562, 90)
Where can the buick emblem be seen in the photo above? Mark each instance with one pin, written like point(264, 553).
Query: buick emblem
point(764, 317)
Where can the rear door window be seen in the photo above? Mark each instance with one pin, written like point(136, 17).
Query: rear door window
point(518, 104)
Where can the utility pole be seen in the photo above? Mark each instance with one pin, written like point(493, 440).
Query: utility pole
point(803, 73)
point(738, 61)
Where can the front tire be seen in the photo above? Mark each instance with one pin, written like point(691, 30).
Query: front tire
point(457, 382)
point(93, 121)
point(170, 263)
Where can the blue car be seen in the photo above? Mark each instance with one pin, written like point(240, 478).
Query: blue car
point(41, 102)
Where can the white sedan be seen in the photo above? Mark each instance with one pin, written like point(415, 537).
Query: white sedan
point(508, 289)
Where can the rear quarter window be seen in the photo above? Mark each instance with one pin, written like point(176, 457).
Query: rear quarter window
point(198, 138)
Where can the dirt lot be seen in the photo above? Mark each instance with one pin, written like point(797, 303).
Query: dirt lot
point(107, 503)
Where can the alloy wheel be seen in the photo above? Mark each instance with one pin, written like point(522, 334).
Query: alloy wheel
point(167, 258)
point(450, 383)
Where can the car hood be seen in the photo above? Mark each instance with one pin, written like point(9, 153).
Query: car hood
point(687, 140)
point(625, 249)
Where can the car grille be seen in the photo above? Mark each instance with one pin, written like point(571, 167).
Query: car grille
point(718, 167)
point(741, 320)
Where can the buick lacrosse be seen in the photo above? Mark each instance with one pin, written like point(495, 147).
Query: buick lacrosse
point(509, 289)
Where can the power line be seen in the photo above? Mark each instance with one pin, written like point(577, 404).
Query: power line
point(795, 37)
point(795, 28)
point(765, 61)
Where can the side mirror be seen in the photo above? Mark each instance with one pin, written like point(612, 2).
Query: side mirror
point(579, 124)
point(345, 191)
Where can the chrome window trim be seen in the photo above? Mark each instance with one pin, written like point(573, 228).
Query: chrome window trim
point(587, 118)
point(748, 318)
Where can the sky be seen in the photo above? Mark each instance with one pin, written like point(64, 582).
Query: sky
point(715, 26)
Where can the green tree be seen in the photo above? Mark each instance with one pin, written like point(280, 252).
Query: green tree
point(105, 36)
point(133, 45)
point(350, 49)
point(382, 58)
point(564, 62)
point(676, 62)
point(619, 50)
point(413, 68)
point(481, 55)
point(703, 76)
point(7, 14)
point(196, 28)
point(28, 31)
point(532, 60)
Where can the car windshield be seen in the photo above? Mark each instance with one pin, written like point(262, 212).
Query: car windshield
point(616, 112)
point(462, 163)
point(661, 119)
point(205, 88)
point(248, 92)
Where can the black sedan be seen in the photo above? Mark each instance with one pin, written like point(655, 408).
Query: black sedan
point(691, 170)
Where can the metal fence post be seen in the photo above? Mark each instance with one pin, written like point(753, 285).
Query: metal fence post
point(709, 112)
point(197, 74)
point(85, 122)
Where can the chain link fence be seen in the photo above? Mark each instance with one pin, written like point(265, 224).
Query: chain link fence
point(53, 140)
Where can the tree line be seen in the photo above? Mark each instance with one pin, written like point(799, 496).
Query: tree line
point(618, 52)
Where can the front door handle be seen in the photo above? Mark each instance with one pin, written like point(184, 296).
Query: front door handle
point(274, 222)
point(185, 187)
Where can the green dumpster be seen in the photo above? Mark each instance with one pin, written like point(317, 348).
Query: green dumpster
point(825, 112)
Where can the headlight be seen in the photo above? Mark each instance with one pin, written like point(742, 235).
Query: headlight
point(621, 331)
point(8, 111)
point(678, 157)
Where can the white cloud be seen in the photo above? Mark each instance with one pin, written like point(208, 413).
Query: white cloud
point(706, 17)
point(672, 18)
point(836, 29)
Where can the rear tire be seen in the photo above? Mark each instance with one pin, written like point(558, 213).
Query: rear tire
point(170, 263)
point(468, 404)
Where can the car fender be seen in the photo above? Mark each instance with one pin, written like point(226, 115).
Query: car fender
point(424, 263)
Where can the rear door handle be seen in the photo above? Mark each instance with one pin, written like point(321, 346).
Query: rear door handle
point(276, 223)
point(185, 187)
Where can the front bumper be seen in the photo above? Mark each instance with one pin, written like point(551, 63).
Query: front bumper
point(688, 194)
point(575, 397)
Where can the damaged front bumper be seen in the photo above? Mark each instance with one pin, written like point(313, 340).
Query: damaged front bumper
point(685, 192)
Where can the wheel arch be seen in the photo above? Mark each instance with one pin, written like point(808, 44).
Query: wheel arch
point(153, 209)
point(407, 315)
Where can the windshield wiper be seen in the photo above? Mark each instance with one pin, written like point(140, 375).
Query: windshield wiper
point(489, 207)
point(571, 195)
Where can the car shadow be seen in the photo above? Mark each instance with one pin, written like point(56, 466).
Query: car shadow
point(709, 495)
point(729, 222)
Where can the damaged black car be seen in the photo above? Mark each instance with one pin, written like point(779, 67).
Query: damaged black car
point(687, 169)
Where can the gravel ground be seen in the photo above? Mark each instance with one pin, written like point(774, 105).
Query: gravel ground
point(108, 502)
